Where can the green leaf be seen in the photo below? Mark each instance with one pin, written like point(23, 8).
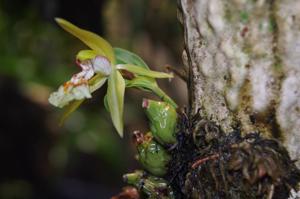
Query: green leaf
point(133, 63)
point(138, 70)
point(126, 57)
point(115, 99)
point(141, 82)
point(149, 84)
point(69, 109)
point(92, 40)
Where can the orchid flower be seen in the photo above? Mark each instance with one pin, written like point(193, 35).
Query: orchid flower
point(77, 88)
point(103, 63)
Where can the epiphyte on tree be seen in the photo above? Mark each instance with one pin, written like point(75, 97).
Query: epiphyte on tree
point(103, 63)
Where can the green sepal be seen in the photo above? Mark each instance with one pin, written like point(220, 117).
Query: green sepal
point(163, 120)
point(115, 99)
point(92, 40)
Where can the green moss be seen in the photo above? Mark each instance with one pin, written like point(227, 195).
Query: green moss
point(277, 62)
point(244, 17)
point(272, 25)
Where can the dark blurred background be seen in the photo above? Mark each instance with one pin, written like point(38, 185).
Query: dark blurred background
point(85, 158)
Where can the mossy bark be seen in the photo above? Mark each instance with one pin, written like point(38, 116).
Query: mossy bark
point(243, 58)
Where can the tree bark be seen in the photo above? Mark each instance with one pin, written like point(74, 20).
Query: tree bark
point(243, 58)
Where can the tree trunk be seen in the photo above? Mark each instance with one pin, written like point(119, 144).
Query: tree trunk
point(240, 137)
point(243, 58)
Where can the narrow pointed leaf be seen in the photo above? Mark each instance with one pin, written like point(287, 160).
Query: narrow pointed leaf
point(138, 70)
point(115, 99)
point(126, 57)
point(92, 40)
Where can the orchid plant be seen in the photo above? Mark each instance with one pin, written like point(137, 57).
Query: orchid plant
point(120, 68)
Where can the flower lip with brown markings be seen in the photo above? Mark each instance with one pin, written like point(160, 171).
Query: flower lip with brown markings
point(78, 88)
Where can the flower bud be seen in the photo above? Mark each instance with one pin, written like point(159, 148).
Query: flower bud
point(163, 118)
point(152, 186)
point(151, 154)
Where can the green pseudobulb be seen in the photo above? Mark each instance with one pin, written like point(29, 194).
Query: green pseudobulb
point(163, 119)
point(151, 154)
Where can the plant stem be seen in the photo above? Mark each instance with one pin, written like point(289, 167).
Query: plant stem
point(160, 93)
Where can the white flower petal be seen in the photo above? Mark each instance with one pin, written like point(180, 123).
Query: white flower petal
point(101, 65)
point(64, 95)
point(87, 69)
point(81, 92)
point(77, 88)
point(86, 64)
point(89, 74)
point(60, 98)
